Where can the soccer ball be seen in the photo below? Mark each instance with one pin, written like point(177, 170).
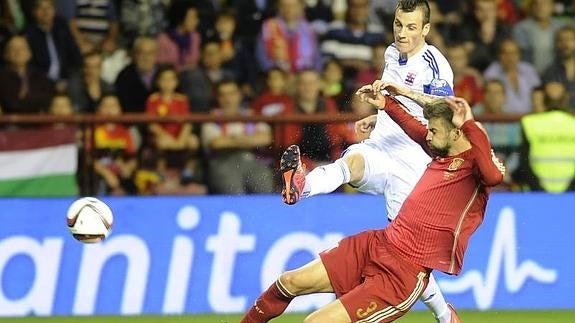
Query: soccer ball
point(89, 220)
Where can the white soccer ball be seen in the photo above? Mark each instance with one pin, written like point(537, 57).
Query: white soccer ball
point(89, 220)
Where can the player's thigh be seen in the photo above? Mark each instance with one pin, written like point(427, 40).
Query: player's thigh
point(374, 165)
point(333, 312)
point(310, 278)
point(381, 298)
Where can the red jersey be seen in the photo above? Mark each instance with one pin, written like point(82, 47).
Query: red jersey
point(448, 203)
point(178, 106)
point(116, 137)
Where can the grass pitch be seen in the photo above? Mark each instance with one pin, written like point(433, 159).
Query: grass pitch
point(412, 317)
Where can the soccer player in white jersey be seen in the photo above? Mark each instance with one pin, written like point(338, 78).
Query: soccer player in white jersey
point(388, 162)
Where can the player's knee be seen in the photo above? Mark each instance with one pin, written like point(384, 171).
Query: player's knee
point(356, 164)
point(291, 282)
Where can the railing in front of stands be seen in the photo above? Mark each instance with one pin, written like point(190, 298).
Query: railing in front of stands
point(86, 122)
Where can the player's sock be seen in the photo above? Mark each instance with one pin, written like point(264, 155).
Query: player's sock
point(326, 179)
point(270, 304)
point(433, 299)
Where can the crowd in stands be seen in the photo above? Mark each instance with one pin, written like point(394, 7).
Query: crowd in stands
point(272, 57)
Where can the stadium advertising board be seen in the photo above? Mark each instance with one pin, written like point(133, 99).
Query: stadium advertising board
point(216, 254)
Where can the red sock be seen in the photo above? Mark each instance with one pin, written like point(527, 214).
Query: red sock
point(270, 304)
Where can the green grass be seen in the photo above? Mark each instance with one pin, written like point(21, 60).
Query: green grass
point(412, 317)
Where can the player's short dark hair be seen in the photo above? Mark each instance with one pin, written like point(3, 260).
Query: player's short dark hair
point(439, 110)
point(412, 5)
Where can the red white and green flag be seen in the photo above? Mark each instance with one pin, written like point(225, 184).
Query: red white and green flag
point(38, 162)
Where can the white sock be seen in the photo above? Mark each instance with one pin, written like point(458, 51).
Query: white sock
point(433, 299)
point(326, 179)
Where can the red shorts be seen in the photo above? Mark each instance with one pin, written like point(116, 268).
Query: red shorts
point(371, 281)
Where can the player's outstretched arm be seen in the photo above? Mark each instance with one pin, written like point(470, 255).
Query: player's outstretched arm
point(490, 172)
point(424, 100)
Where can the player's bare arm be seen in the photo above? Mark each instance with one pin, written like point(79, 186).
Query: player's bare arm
point(423, 99)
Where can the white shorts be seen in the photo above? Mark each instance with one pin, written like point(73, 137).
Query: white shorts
point(389, 173)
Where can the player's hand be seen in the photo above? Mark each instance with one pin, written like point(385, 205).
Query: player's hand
point(364, 126)
point(369, 95)
point(390, 87)
point(498, 163)
point(461, 110)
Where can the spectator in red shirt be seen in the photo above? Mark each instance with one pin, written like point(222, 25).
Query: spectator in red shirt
point(115, 147)
point(317, 140)
point(377, 275)
point(166, 101)
point(467, 81)
point(176, 143)
point(275, 101)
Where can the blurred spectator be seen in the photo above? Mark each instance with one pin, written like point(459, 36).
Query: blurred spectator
point(275, 98)
point(508, 11)
point(381, 15)
point(153, 177)
point(535, 34)
point(467, 81)
point(505, 136)
point(141, 18)
point(446, 19)
point(275, 101)
point(562, 69)
point(95, 25)
point(323, 13)
point(87, 88)
point(198, 83)
point(115, 150)
point(538, 99)
point(61, 105)
point(438, 30)
point(24, 88)
point(252, 13)
point(288, 40)
point(519, 77)
point(176, 142)
point(180, 44)
point(66, 9)
point(135, 81)
point(352, 43)
point(548, 150)
point(333, 83)
point(54, 49)
point(236, 56)
point(233, 166)
point(375, 69)
point(482, 33)
point(166, 101)
point(317, 141)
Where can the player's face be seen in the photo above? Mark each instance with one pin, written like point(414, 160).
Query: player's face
point(409, 31)
point(439, 136)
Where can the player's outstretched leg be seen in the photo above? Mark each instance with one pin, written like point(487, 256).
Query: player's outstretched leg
point(293, 175)
point(434, 300)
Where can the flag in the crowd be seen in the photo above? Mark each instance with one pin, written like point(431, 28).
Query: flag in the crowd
point(38, 162)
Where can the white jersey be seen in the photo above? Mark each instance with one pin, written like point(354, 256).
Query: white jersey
point(393, 162)
point(429, 72)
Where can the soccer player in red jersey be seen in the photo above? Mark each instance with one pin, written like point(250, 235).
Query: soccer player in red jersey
point(378, 275)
